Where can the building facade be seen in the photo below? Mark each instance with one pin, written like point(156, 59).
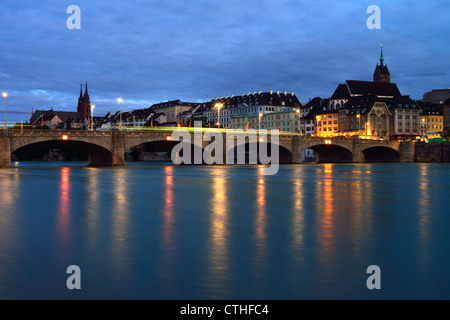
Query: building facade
point(366, 116)
point(327, 124)
point(431, 120)
point(446, 115)
point(405, 118)
point(224, 109)
point(172, 110)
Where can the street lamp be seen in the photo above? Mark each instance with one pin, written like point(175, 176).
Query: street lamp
point(92, 116)
point(120, 121)
point(5, 94)
point(259, 118)
point(218, 106)
point(423, 127)
point(359, 124)
point(367, 130)
point(299, 129)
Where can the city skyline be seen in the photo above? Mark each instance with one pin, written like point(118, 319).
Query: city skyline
point(149, 53)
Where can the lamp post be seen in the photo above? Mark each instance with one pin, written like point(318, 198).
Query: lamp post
point(299, 129)
point(120, 119)
point(367, 130)
point(92, 117)
point(218, 106)
point(5, 94)
point(259, 121)
point(423, 127)
point(359, 125)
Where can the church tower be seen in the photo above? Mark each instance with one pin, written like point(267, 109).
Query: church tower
point(84, 104)
point(381, 73)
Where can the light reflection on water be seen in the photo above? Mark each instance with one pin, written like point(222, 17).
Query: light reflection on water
point(164, 232)
point(219, 234)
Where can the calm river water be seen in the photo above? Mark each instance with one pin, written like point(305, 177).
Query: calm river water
point(158, 231)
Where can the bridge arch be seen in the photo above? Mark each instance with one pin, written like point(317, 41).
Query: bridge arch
point(381, 153)
point(97, 155)
point(161, 140)
point(332, 153)
point(337, 151)
point(252, 151)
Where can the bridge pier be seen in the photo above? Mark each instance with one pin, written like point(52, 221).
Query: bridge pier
point(5, 149)
point(357, 154)
point(407, 151)
point(118, 148)
point(296, 150)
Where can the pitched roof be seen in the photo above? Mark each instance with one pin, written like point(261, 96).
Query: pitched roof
point(315, 106)
point(379, 89)
point(402, 102)
point(362, 104)
point(259, 98)
point(316, 102)
point(173, 103)
point(430, 108)
point(49, 114)
point(360, 88)
point(341, 92)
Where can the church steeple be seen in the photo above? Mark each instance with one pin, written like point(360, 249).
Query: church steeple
point(86, 92)
point(381, 57)
point(381, 73)
point(84, 104)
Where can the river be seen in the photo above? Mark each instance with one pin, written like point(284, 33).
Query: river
point(159, 231)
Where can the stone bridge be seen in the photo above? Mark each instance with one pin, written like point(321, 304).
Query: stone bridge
point(107, 148)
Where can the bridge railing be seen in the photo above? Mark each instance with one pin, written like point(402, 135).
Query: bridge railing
point(72, 133)
point(169, 130)
point(343, 139)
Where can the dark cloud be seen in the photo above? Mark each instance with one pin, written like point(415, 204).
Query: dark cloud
point(152, 51)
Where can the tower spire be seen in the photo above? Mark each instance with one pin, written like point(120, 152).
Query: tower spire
point(86, 91)
point(381, 57)
point(81, 90)
point(381, 73)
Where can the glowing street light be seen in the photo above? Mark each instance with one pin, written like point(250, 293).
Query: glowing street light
point(5, 94)
point(259, 124)
point(92, 117)
point(120, 121)
point(423, 127)
point(359, 125)
point(218, 106)
point(299, 130)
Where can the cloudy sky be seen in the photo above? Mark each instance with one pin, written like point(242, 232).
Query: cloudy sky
point(151, 51)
